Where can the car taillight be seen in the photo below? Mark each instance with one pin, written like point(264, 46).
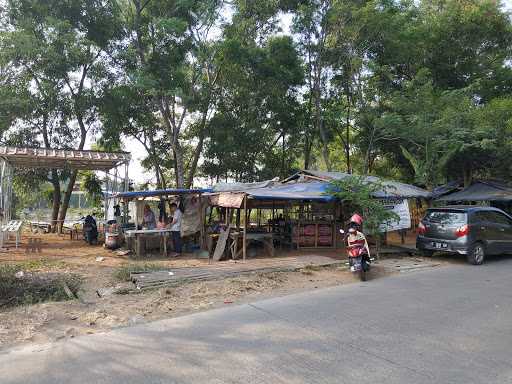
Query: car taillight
point(462, 231)
point(422, 229)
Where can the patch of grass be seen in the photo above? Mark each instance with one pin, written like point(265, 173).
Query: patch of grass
point(32, 288)
point(312, 268)
point(123, 273)
point(39, 264)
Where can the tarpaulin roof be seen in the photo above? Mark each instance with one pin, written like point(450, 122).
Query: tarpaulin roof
point(315, 191)
point(159, 192)
point(481, 191)
point(452, 186)
point(235, 187)
point(392, 189)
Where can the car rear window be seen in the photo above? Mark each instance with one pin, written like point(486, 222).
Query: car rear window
point(445, 217)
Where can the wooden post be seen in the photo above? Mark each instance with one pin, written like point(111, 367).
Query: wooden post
point(202, 229)
point(245, 229)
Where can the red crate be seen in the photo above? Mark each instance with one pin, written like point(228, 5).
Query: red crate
point(324, 240)
point(309, 230)
point(324, 230)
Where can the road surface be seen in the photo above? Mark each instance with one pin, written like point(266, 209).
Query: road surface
point(448, 325)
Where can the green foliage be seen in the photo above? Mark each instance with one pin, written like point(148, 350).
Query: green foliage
point(32, 288)
point(123, 273)
point(359, 194)
point(91, 184)
point(417, 90)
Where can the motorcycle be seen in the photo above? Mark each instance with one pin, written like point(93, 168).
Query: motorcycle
point(358, 257)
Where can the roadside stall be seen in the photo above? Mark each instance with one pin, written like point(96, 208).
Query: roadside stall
point(407, 201)
point(298, 213)
point(140, 238)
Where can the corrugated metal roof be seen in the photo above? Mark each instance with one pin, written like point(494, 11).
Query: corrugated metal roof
point(481, 191)
point(62, 158)
point(392, 188)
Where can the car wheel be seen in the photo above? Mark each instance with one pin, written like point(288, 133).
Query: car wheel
point(426, 252)
point(476, 254)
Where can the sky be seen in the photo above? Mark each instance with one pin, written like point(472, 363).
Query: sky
point(137, 172)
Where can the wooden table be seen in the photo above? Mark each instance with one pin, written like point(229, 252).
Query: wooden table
point(137, 234)
point(267, 238)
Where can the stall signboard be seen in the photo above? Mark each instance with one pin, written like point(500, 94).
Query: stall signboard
point(401, 208)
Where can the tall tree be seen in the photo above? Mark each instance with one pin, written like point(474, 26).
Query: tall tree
point(62, 48)
point(171, 63)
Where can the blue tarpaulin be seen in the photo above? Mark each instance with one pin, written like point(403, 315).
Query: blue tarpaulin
point(160, 192)
point(391, 189)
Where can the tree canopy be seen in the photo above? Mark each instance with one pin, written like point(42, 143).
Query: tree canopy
point(248, 90)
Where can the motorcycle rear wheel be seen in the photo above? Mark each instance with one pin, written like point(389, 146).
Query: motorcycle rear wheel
point(362, 274)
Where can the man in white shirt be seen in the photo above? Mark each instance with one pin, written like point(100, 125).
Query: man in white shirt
point(176, 228)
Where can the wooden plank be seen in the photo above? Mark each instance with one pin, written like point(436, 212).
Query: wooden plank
point(153, 280)
point(221, 244)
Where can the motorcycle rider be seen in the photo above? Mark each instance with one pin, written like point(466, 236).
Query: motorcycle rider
point(356, 238)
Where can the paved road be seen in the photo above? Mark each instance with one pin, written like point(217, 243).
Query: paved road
point(450, 325)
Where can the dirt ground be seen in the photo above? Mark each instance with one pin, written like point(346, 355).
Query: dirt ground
point(53, 321)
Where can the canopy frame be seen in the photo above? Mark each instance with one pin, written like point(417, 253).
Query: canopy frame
point(47, 158)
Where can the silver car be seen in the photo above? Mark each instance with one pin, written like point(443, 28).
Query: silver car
point(473, 231)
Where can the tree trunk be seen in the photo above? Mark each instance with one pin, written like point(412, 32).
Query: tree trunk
point(56, 200)
point(199, 148)
point(307, 154)
point(195, 160)
point(54, 179)
point(180, 168)
point(72, 178)
point(67, 198)
point(320, 127)
point(347, 139)
point(468, 175)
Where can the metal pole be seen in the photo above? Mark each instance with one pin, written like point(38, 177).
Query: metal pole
point(245, 229)
point(105, 197)
point(126, 186)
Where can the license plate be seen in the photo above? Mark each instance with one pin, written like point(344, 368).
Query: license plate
point(439, 245)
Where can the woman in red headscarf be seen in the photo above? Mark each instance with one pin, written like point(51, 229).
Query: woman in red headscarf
point(356, 240)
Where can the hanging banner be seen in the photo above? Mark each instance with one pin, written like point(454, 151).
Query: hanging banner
point(401, 208)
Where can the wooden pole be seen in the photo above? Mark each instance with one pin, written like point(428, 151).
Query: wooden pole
point(245, 229)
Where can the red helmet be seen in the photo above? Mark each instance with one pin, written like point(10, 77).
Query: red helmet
point(356, 218)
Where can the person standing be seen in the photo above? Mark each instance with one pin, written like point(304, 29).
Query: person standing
point(148, 221)
point(177, 216)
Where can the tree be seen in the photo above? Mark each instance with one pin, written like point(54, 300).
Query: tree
point(61, 50)
point(253, 133)
point(360, 195)
point(170, 62)
point(312, 23)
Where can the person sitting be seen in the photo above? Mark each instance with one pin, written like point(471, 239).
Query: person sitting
point(149, 221)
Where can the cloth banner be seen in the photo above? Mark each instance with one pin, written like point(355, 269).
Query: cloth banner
point(191, 220)
point(227, 200)
point(401, 208)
